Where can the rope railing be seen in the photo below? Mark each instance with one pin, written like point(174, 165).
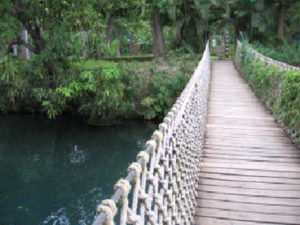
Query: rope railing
point(267, 60)
point(160, 188)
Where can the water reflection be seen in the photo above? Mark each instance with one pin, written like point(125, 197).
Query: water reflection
point(55, 173)
point(77, 156)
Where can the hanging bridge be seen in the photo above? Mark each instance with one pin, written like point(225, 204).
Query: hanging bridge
point(218, 157)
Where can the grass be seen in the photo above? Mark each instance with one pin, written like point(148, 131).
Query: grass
point(214, 57)
point(108, 62)
point(93, 64)
point(144, 57)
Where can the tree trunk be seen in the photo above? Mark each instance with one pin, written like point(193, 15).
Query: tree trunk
point(15, 50)
point(158, 37)
point(143, 8)
point(84, 38)
point(36, 34)
point(118, 49)
point(108, 29)
point(24, 52)
point(281, 21)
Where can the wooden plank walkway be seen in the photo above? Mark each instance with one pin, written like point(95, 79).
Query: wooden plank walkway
point(250, 173)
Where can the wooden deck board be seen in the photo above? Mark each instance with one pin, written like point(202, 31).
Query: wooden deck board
point(250, 170)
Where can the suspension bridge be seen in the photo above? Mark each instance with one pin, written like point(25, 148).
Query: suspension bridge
point(218, 157)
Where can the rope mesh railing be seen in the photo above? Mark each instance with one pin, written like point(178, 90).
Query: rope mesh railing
point(160, 187)
point(266, 60)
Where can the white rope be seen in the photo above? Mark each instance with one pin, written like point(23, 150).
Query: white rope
point(125, 187)
point(166, 174)
point(265, 59)
point(110, 209)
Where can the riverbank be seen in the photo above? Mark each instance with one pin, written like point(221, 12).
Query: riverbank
point(98, 91)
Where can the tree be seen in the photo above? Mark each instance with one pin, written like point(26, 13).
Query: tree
point(50, 25)
point(158, 37)
point(118, 14)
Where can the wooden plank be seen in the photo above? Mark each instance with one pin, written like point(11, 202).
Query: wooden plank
point(251, 158)
point(216, 221)
point(278, 180)
point(252, 152)
point(249, 207)
point(247, 143)
point(242, 127)
point(243, 132)
point(231, 161)
point(273, 141)
point(285, 194)
point(253, 136)
point(267, 148)
point(248, 216)
point(268, 118)
point(269, 140)
point(274, 154)
point(248, 199)
point(255, 166)
point(252, 172)
point(249, 185)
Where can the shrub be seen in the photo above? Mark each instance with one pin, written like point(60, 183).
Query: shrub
point(100, 91)
point(279, 90)
point(14, 88)
point(287, 52)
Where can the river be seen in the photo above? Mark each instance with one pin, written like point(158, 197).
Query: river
point(56, 172)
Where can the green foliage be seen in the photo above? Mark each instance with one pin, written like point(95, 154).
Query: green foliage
point(279, 90)
point(289, 103)
point(111, 49)
point(287, 52)
point(92, 64)
point(13, 87)
point(144, 57)
point(165, 88)
point(109, 91)
point(56, 101)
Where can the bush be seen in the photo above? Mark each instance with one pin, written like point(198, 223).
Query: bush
point(99, 91)
point(14, 88)
point(164, 89)
point(117, 91)
point(279, 90)
point(287, 52)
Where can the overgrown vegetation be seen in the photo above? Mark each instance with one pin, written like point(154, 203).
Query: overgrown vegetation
point(99, 91)
point(279, 90)
point(286, 52)
point(80, 56)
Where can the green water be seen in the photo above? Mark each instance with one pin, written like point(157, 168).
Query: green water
point(57, 172)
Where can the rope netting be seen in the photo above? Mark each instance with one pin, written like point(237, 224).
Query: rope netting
point(160, 187)
point(266, 60)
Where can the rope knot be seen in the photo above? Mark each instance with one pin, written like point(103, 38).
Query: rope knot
point(159, 135)
point(171, 115)
point(137, 168)
point(109, 207)
point(124, 185)
point(150, 178)
point(144, 155)
point(133, 218)
point(151, 217)
point(169, 196)
point(143, 195)
point(151, 144)
point(163, 126)
point(167, 120)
